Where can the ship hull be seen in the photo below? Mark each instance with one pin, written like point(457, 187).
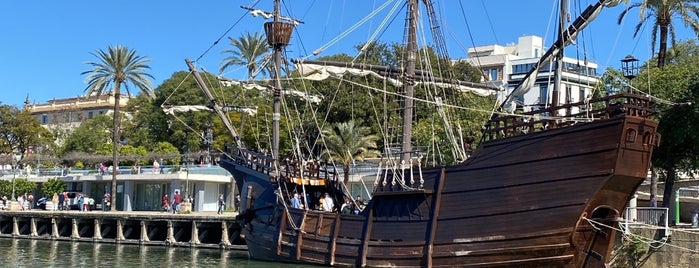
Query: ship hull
point(545, 199)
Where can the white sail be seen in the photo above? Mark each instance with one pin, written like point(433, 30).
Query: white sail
point(319, 72)
point(171, 110)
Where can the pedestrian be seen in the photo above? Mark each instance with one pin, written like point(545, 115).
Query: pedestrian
point(66, 201)
point(156, 167)
point(61, 198)
point(81, 200)
point(237, 202)
point(176, 200)
point(166, 203)
point(328, 203)
point(221, 202)
point(54, 200)
point(295, 202)
point(106, 202)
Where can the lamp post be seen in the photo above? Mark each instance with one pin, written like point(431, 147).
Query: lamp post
point(629, 66)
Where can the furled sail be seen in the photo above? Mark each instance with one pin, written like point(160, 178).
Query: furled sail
point(321, 70)
point(171, 110)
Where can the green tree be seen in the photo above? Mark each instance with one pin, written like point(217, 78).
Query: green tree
point(53, 186)
point(679, 148)
point(661, 13)
point(22, 185)
point(246, 51)
point(118, 66)
point(19, 131)
point(346, 143)
point(89, 136)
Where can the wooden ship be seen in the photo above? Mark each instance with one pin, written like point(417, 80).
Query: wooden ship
point(539, 191)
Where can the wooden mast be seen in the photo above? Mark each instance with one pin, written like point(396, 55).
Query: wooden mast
point(406, 147)
point(559, 58)
point(276, 114)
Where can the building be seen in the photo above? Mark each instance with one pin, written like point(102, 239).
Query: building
point(508, 65)
point(64, 115)
point(142, 189)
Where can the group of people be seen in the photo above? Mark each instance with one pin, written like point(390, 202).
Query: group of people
point(326, 203)
point(175, 205)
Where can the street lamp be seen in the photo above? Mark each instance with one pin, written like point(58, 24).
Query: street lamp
point(629, 66)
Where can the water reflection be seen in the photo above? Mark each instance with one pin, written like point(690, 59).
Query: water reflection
point(47, 253)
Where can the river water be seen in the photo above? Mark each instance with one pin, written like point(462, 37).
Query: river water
point(47, 253)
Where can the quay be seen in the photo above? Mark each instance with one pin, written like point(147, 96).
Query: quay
point(196, 229)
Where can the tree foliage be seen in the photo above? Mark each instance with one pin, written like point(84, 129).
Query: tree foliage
point(345, 142)
point(660, 13)
point(118, 66)
point(678, 115)
point(246, 51)
point(21, 131)
point(21, 186)
point(52, 186)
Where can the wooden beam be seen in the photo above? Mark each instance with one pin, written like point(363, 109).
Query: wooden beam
point(333, 238)
point(282, 227)
point(299, 236)
point(366, 234)
point(434, 215)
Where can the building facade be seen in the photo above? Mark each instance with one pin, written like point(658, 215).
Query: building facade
point(64, 115)
point(508, 65)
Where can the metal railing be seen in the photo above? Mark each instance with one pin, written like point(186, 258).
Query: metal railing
point(654, 216)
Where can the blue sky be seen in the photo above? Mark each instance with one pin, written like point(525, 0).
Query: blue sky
point(45, 44)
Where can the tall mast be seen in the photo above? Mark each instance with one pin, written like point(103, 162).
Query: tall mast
point(406, 147)
point(278, 35)
point(276, 114)
point(559, 58)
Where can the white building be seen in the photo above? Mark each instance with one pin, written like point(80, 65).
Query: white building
point(509, 65)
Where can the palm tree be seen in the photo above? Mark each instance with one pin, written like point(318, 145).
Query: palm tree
point(119, 66)
point(662, 12)
point(345, 143)
point(247, 51)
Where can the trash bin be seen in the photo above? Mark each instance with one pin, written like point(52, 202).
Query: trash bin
point(695, 218)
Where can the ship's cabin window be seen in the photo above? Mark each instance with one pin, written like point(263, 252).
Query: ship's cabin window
point(630, 135)
point(647, 138)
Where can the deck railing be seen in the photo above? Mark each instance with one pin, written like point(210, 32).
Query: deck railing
point(289, 168)
point(501, 126)
point(653, 216)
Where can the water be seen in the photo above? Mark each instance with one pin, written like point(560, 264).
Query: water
point(46, 253)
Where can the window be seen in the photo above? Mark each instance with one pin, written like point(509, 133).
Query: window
point(492, 74)
point(581, 94)
point(90, 115)
point(543, 94)
point(630, 135)
point(44, 119)
point(569, 94)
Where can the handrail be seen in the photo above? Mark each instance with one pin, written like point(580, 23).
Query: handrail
point(508, 125)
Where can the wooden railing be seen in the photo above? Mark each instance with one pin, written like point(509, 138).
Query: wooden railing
point(501, 126)
point(289, 168)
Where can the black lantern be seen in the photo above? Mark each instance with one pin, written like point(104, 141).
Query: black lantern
point(629, 67)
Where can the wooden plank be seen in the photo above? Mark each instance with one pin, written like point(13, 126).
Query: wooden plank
point(434, 214)
point(368, 228)
point(333, 238)
point(282, 227)
point(299, 236)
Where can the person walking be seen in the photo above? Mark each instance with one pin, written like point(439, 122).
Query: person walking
point(176, 200)
point(81, 200)
point(166, 203)
point(220, 204)
point(55, 201)
point(106, 202)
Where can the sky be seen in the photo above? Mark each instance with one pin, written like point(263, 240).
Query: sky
point(45, 45)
